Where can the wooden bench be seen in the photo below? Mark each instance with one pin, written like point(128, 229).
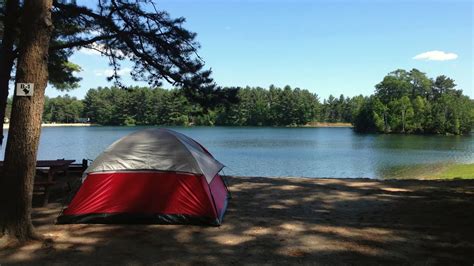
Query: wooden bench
point(79, 167)
point(43, 187)
point(46, 170)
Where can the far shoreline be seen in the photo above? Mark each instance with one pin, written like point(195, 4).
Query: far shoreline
point(309, 125)
point(6, 126)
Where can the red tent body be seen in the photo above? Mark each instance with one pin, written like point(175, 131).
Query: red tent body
point(148, 196)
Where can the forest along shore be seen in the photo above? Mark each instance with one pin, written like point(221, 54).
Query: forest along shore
point(282, 221)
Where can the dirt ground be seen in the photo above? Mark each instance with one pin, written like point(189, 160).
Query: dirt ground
point(283, 221)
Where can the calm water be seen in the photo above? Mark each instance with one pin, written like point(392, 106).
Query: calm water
point(310, 152)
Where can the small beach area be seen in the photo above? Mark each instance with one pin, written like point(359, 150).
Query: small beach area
point(311, 124)
point(6, 126)
point(282, 221)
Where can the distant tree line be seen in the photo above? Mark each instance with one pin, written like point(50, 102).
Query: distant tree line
point(404, 102)
point(342, 109)
point(147, 106)
point(270, 107)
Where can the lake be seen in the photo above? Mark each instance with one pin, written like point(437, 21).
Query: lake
point(309, 152)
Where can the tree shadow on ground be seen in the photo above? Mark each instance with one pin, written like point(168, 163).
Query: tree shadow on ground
point(284, 221)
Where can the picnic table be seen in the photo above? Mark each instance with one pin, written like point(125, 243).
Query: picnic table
point(51, 168)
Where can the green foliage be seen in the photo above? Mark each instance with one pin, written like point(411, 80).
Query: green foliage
point(372, 116)
point(404, 102)
point(410, 102)
point(62, 109)
point(342, 109)
point(255, 107)
point(272, 107)
point(136, 106)
point(61, 72)
point(158, 46)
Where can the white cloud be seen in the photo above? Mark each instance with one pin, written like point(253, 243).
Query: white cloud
point(436, 56)
point(110, 72)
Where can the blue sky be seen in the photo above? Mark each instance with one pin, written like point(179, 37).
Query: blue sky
point(327, 47)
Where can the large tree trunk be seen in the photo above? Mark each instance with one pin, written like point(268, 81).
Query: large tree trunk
point(7, 56)
point(16, 189)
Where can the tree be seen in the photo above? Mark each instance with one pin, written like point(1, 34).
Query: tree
point(368, 119)
point(159, 46)
point(23, 138)
point(404, 109)
point(420, 113)
point(60, 69)
point(414, 103)
point(355, 105)
point(329, 109)
point(421, 84)
point(443, 85)
point(62, 109)
point(393, 86)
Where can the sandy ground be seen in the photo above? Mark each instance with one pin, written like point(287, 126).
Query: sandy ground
point(327, 124)
point(310, 124)
point(283, 221)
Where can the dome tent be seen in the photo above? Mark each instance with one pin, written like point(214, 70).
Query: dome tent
point(155, 176)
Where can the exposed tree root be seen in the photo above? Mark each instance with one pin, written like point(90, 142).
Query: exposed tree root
point(13, 240)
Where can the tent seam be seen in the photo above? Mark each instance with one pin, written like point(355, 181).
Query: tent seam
point(194, 159)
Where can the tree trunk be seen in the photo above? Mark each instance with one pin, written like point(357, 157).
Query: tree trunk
point(16, 189)
point(403, 120)
point(7, 56)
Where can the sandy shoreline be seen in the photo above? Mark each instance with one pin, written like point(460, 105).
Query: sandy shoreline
point(318, 124)
point(328, 124)
point(284, 221)
point(6, 126)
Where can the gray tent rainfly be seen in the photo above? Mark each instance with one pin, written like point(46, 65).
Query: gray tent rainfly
point(157, 149)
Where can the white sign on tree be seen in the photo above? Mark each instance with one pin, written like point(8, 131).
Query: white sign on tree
point(25, 89)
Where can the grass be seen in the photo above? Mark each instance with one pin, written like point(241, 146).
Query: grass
point(430, 171)
point(464, 171)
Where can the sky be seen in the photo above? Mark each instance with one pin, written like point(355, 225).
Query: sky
point(328, 47)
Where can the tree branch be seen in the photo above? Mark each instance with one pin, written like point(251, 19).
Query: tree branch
point(82, 43)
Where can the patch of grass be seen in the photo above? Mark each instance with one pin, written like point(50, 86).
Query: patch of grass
point(430, 171)
point(464, 171)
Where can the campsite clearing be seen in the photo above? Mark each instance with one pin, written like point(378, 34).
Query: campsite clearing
point(281, 221)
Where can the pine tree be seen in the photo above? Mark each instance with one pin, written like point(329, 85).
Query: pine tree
point(16, 184)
